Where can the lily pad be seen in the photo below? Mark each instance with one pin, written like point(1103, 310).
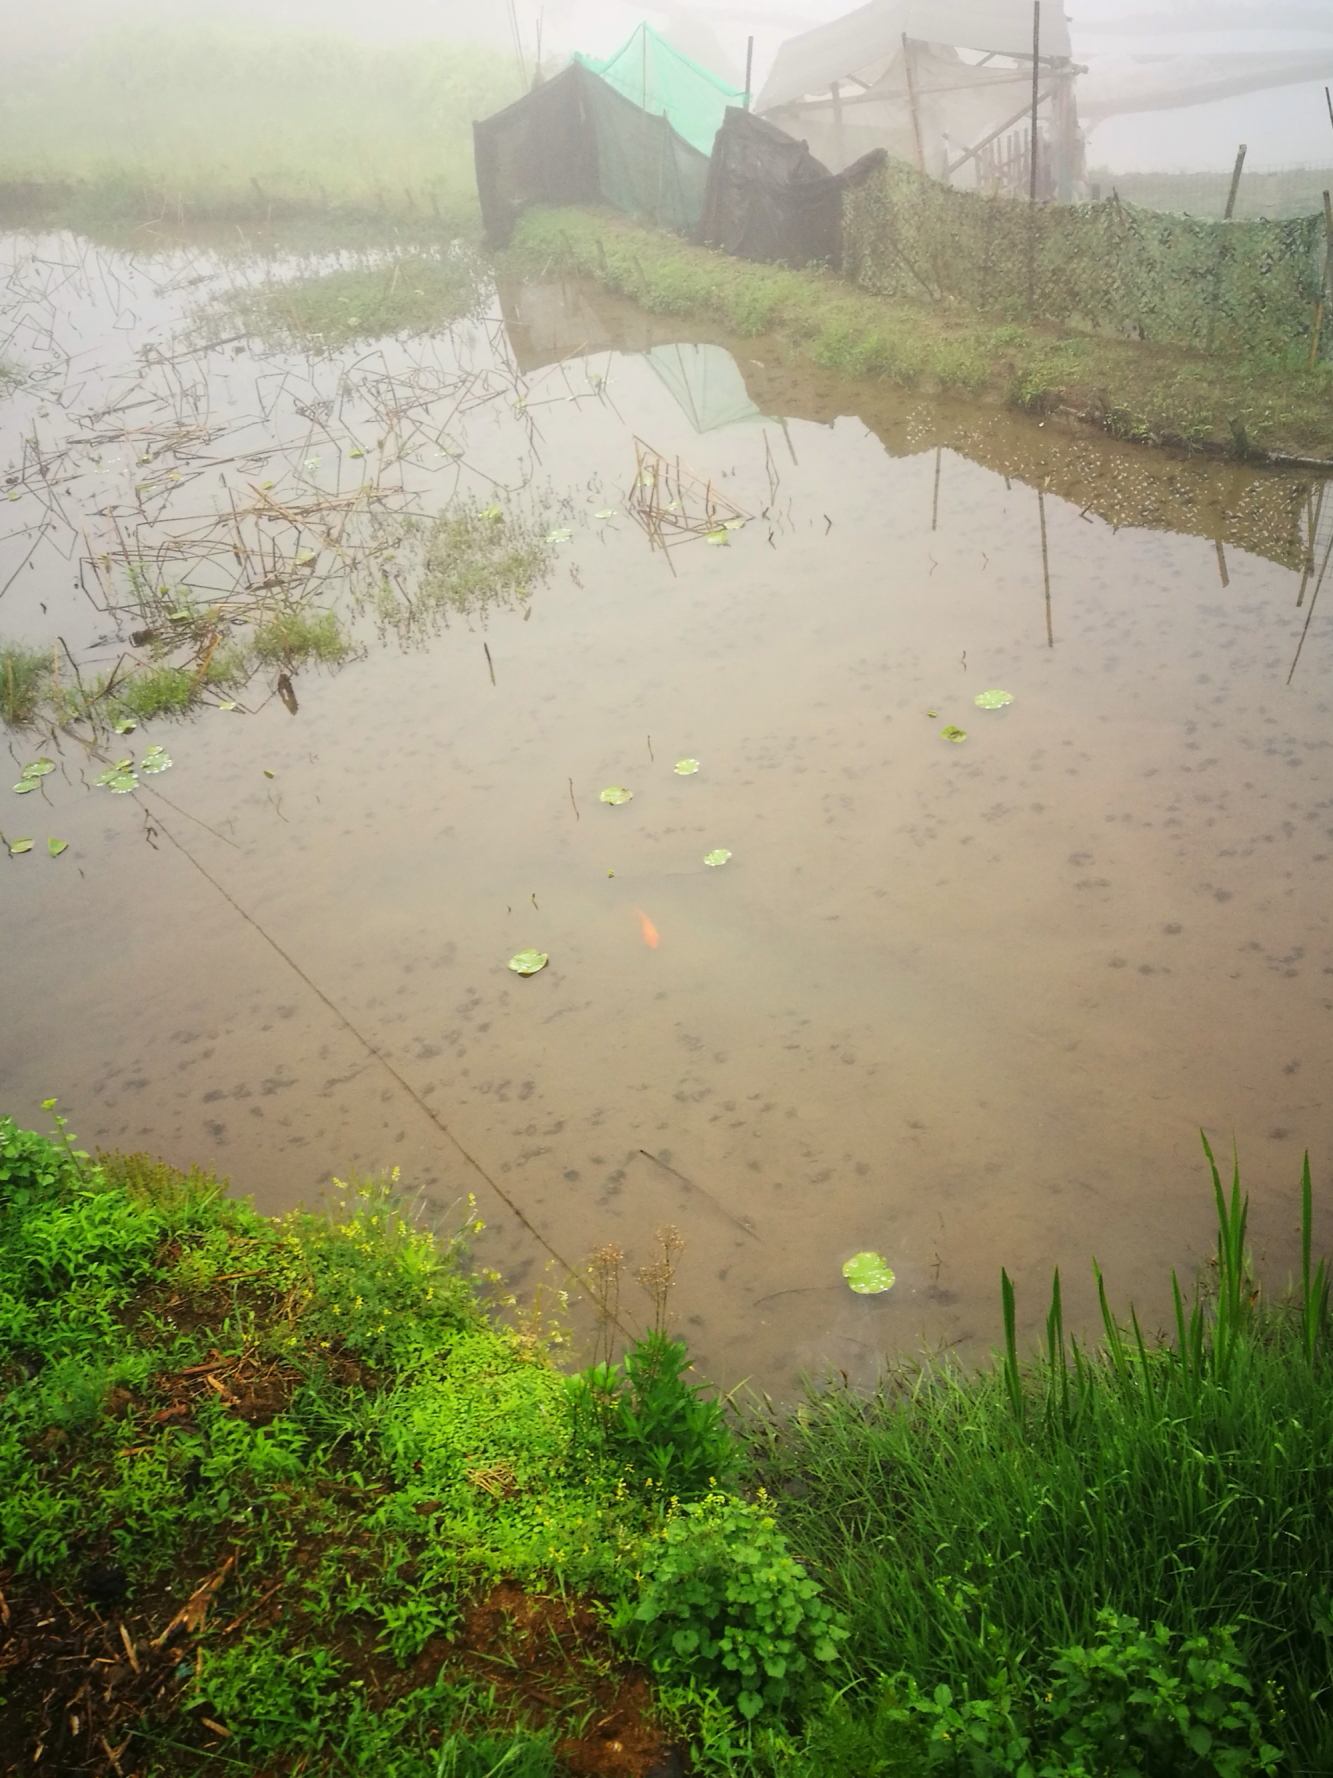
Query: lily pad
point(528, 962)
point(719, 856)
point(560, 535)
point(721, 535)
point(56, 847)
point(868, 1274)
point(119, 780)
point(607, 512)
point(38, 768)
point(19, 846)
point(24, 785)
point(686, 768)
point(951, 732)
point(993, 700)
point(155, 760)
point(493, 512)
point(126, 725)
point(616, 794)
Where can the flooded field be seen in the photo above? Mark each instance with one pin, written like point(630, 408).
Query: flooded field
point(962, 1002)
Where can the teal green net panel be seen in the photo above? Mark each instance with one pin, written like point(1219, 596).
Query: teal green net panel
point(644, 167)
point(659, 79)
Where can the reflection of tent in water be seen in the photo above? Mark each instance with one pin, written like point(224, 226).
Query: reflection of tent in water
point(1238, 506)
point(707, 384)
point(548, 323)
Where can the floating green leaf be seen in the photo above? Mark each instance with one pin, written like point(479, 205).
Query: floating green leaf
point(19, 846)
point(227, 704)
point(38, 768)
point(528, 962)
point(721, 535)
point(869, 1274)
point(607, 512)
point(616, 794)
point(993, 700)
point(561, 535)
point(719, 856)
point(494, 511)
point(951, 732)
point(126, 725)
point(24, 785)
point(56, 847)
point(155, 760)
point(356, 451)
point(932, 712)
point(686, 768)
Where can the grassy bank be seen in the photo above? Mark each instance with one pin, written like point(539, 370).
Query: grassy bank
point(1150, 394)
point(300, 1495)
point(170, 126)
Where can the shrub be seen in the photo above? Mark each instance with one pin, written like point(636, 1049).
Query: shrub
point(644, 1414)
point(725, 1604)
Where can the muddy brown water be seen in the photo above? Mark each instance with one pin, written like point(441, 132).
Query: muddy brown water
point(962, 1004)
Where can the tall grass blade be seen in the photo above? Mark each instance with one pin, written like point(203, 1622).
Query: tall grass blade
point(1013, 1381)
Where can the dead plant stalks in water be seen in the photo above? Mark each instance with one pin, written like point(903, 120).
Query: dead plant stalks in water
point(673, 502)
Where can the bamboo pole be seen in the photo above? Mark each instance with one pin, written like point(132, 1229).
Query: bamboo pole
point(1032, 158)
point(911, 100)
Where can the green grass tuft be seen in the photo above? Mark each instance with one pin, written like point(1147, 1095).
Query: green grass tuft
point(25, 674)
point(416, 294)
point(297, 636)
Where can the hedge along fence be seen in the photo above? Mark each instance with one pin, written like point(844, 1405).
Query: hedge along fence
point(1234, 287)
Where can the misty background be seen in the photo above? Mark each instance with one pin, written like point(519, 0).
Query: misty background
point(1121, 41)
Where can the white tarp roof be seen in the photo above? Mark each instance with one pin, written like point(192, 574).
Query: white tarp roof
point(1116, 85)
point(811, 62)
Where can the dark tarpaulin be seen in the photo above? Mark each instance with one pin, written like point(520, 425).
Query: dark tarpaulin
point(768, 198)
point(576, 140)
point(542, 149)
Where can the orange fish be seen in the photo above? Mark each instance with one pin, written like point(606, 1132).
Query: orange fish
point(649, 930)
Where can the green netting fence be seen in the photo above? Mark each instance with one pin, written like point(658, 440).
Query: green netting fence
point(662, 81)
point(1252, 288)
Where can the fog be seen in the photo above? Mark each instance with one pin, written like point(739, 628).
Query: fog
point(1287, 124)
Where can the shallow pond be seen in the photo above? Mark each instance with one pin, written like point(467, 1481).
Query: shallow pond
point(962, 1003)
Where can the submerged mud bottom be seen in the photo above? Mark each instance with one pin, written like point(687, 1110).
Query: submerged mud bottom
point(957, 1002)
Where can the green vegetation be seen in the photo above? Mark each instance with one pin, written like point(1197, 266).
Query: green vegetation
point(296, 636)
point(24, 676)
point(1150, 393)
point(170, 124)
point(415, 293)
point(291, 1491)
point(1019, 1536)
point(463, 562)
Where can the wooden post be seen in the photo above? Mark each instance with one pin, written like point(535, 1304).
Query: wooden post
point(1067, 168)
point(1327, 290)
point(911, 100)
point(1222, 249)
point(839, 144)
point(1235, 183)
point(749, 68)
point(1032, 168)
